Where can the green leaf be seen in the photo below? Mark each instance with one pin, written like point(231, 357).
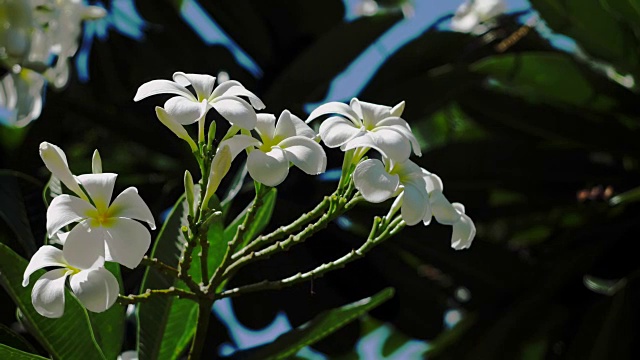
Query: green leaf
point(9, 353)
point(260, 221)
point(165, 324)
point(587, 22)
point(69, 337)
point(549, 77)
point(315, 330)
point(13, 209)
point(11, 338)
point(630, 196)
point(109, 326)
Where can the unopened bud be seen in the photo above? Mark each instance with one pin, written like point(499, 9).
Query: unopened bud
point(96, 163)
point(219, 167)
point(175, 127)
point(188, 190)
point(56, 161)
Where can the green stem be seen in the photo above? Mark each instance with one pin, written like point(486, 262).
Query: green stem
point(147, 295)
point(202, 325)
point(373, 240)
point(283, 231)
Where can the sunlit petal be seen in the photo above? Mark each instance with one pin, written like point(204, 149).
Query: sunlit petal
point(373, 113)
point(99, 187)
point(442, 209)
point(47, 295)
point(464, 230)
point(266, 126)
point(97, 289)
point(336, 131)
point(129, 204)
point(403, 127)
point(202, 84)
point(84, 246)
point(240, 90)
point(285, 127)
point(238, 143)
point(236, 111)
point(305, 153)
point(128, 241)
point(414, 205)
point(56, 161)
point(64, 210)
point(46, 256)
point(398, 109)
point(388, 142)
point(335, 108)
point(374, 182)
point(268, 168)
point(185, 111)
point(155, 87)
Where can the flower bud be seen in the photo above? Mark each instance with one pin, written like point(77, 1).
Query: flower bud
point(96, 163)
point(56, 161)
point(219, 167)
point(175, 127)
point(212, 135)
point(188, 190)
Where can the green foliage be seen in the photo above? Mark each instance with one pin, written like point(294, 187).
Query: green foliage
point(13, 208)
point(321, 326)
point(70, 337)
point(9, 353)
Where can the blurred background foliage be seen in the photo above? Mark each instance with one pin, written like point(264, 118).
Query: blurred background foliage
point(532, 123)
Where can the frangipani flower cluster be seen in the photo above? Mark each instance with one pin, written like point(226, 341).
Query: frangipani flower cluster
point(105, 231)
point(279, 144)
point(362, 126)
point(32, 33)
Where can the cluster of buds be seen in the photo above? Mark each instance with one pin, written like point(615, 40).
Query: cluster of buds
point(37, 40)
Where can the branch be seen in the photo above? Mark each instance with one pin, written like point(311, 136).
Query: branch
point(319, 271)
point(147, 295)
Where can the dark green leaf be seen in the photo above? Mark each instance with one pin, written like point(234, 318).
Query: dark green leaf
point(9, 353)
point(166, 324)
point(11, 338)
point(13, 209)
point(69, 337)
point(315, 330)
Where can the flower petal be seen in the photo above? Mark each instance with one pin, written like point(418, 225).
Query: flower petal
point(442, 209)
point(303, 129)
point(84, 247)
point(387, 141)
point(415, 204)
point(155, 87)
point(97, 289)
point(175, 127)
point(239, 90)
point(99, 187)
point(236, 111)
point(238, 143)
point(398, 109)
point(202, 84)
point(66, 209)
point(56, 161)
point(285, 128)
point(335, 108)
point(47, 295)
point(127, 241)
point(266, 126)
point(185, 111)
point(403, 127)
point(129, 204)
point(305, 153)
point(432, 181)
point(268, 168)
point(374, 182)
point(464, 230)
point(373, 113)
point(46, 256)
point(336, 131)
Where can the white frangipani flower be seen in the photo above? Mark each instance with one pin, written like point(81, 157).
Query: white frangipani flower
point(288, 141)
point(367, 126)
point(106, 229)
point(187, 108)
point(94, 286)
point(20, 97)
point(470, 15)
point(419, 193)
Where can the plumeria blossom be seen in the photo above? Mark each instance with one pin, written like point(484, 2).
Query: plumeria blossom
point(419, 194)
point(105, 229)
point(470, 15)
point(289, 140)
point(365, 125)
point(187, 108)
point(94, 286)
